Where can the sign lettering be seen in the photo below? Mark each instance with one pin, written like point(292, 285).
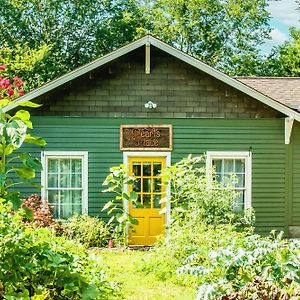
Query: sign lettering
point(146, 137)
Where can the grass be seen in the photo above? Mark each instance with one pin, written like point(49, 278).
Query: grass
point(124, 267)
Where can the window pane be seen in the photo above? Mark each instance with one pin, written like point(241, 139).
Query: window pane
point(156, 169)
point(137, 185)
point(157, 185)
point(240, 166)
point(76, 165)
point(239, 201)
point(53, 180)
point(240, 180)
point(156, 201)
point(147, 201)
point(136, 169)
point(65, 181)
point(218, 164)
point(65, 166)
point(76, 180)
point(147, 185)
point(53, 200)
point(228, 166)
point(52, 165)
point(147, 169)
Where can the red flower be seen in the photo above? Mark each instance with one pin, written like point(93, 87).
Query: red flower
point(19, 83)
point(2, 67)
point(4, 83)
point(10, 92)
point(21, 92)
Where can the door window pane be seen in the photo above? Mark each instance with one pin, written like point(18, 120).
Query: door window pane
point(146, 169)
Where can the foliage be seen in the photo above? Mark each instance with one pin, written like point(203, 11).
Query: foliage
point(223, 34)
point(41, 213)
point(90, 231)
point(209, 201)
point(74, 32)
point(116, 181)
point(35, 264)
point(236, 268)
point(261, 289)
point(284, 60)
point(23, 60)
point(13, 133)
point(202, 218)
point(66, 34)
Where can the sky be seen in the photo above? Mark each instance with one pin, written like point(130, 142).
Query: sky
point(284, 14)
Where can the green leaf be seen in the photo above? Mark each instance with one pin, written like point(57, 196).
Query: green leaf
point(24, 172)
point(31, 162)
point(29, 104)
point(26, 213)
point(122, 218)
point(15, 198)
point(9, 149)
point(107, 205)
point(2, 179)
point(24, 116)
point(35, 140)
point(133, 196)
point(133, 221)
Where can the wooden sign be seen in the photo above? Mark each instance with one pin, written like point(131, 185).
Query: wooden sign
point(146, 137)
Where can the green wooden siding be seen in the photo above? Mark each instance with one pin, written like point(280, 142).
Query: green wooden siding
point(263, 137)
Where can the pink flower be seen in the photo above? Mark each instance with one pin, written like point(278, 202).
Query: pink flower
point(2, 67)
point(21, 92)
point(6, 83)
point(10, 92)
point(19, 83)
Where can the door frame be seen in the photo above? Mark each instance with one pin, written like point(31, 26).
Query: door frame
point(167, 156)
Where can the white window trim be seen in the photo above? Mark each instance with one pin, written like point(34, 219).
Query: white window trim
point(210, 155)
point(167, 155)
point(67, 154)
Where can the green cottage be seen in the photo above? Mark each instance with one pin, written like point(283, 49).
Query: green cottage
point(148, 105)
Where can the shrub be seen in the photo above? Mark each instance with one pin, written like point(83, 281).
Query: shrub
point(36, 263)
point(213, 203)
point(202, 218)
point(41, 213)
point(90, 231)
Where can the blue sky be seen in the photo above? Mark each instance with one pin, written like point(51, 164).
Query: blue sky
point(283, 16)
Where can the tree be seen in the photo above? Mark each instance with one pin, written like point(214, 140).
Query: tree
point(220, 33)
point(24, 61)
point(284, 60)
point(74, 31)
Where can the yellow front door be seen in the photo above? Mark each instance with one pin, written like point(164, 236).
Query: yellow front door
point(147, 184)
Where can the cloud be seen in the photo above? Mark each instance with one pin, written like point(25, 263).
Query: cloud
point(285, 11)
point(277, 36)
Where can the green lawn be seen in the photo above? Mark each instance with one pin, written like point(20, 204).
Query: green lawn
point(123, 267)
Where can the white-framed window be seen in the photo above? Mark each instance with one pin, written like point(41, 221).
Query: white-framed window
point(65, 182)
point(232, 163)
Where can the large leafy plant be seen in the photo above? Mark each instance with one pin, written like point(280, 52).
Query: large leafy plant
point(36, 264)
point(117, 182)
point(15, 167)
point(248, 264)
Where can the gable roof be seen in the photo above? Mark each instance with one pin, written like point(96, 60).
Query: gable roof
point(148, 39)
point(285, 90)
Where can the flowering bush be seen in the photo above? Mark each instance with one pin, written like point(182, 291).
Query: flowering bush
point(41, 213)
point(10, 88)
